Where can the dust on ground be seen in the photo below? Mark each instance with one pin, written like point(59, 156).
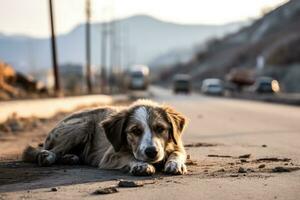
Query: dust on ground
point(19, 176)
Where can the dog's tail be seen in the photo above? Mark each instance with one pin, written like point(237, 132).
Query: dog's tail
point(30, 154)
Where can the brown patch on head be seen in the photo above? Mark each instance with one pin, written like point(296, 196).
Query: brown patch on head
point(114, 128)
point(177, 121)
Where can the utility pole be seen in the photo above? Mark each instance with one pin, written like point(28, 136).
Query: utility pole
point(88, 46)
point(112, 56)
point(103, 56)
point(57, 87)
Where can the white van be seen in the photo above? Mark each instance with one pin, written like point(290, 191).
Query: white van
point(139, 77)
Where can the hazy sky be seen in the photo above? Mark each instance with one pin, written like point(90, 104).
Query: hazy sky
point(30, 17)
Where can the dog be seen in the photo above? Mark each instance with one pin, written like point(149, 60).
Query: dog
point(136, 139)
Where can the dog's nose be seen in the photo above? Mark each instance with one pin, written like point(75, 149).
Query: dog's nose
point(151, 152)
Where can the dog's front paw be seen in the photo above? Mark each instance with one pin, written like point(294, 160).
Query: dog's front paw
point(175, 168)
point(46, 158)
point(142, 169)
point(70, 159)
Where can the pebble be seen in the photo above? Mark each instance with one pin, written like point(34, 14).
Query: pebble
point(130, 184)
point(221, 170)
point(242, 170)
point(245, 156)
point(261, 166)
point(280, 169)
point(106, 190)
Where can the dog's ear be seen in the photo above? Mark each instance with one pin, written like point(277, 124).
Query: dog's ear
point(114, 129)
point(177, 121)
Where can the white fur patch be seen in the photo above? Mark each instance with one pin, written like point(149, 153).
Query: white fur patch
point(142, 116)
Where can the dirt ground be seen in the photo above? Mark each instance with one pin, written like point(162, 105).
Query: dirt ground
point(238, 172)
point(21, 180)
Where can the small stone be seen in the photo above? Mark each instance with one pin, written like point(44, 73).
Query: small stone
point(264, 145)
point(261, 166)
point(106, 190)
point(245, 156)
point(244, 160)
point(250, 170)
point(280, 169)
point(234, 175)
point(130, 184)
point(221, 170)
point(54, 189)
point(190, 162)
point(242, 170)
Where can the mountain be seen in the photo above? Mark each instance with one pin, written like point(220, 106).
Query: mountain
point(273, 39)
point(143, 39)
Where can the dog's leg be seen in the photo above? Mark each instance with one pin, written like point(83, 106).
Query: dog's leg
point(67, 137)
point(69, 159)
point(176, 163)
point(125, 160)
point(46, 158)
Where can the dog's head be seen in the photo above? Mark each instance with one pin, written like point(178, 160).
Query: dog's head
point(145, 128)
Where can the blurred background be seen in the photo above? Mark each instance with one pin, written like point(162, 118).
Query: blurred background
point(73, 47)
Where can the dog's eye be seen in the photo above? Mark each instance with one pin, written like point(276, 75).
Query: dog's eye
point(137, 131)
point(159, 129)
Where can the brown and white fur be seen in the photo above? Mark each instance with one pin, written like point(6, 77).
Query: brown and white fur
point(136, 138)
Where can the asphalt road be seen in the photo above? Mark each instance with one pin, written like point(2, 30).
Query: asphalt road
point(217, 126)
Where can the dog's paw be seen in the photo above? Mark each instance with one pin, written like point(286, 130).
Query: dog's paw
point(70, 159)
point(46, 158)
point(175, 168)
point(142, 169)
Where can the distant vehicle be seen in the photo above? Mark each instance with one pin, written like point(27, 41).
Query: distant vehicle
point(139, 77)
point(212, 86)
point(182, 83)
point(265, 85)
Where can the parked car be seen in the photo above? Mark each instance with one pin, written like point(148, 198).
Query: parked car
point(138, 77)
point(265, 85)
point(182, 83)
point(212, 86)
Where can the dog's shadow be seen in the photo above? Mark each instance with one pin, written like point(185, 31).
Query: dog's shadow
point(18, 176)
